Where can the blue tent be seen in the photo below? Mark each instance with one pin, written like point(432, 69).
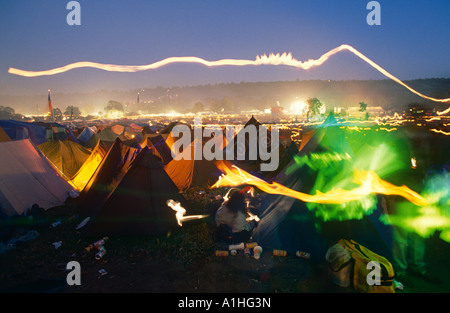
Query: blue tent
point(17, 130)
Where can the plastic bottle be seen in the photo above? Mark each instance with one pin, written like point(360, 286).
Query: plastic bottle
point(279, 252)
point(302, 254)
point(221, 253)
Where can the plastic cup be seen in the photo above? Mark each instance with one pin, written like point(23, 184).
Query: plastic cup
point(257, 252)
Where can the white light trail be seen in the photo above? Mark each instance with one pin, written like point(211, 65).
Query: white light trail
point(272, 59)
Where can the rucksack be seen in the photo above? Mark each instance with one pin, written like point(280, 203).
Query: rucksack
point(382, 283)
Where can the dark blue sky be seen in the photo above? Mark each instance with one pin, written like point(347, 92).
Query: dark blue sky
point(411, 42)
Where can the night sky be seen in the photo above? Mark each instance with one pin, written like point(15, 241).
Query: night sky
point(411, 42)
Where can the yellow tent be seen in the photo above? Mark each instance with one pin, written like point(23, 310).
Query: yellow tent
point(191, 173)
point(84, 174)
point(67, 156)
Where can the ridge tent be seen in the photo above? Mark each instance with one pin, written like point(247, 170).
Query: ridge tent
point(66, 155)
point(192, 173)
point(84, 174)
point(127, 195)
point(86, 134)
point(104, 135)
point(158, 147)
point(27, 178)
point(247, 164)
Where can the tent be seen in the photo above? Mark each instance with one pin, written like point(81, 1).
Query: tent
point(192, 173)
point(127, 195)
point(27, 178)
point(168, 128)
point(158, 147)
point(249, 164)
point(17, 130)
point(87, 170)
point(290, 224)
point(66, 155)
point(86, 134)
point(56, 131)
point(105, 135)
point(118, 129)
point(184, 173)
point(3, 135)
point(285, 159)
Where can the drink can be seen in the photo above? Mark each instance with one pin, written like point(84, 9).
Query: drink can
point(89, 248)
point(251, 245)
point(100, 253)
point(221, 253)
point(279, 252)
point(247, 252)
point(99, 243)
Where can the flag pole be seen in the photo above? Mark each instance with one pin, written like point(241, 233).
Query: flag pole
point(52, 113)
point(50, 106)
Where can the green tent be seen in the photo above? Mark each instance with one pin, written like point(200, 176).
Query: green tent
point(66, 155)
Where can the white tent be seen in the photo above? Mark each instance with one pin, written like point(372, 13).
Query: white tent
point(27, 178)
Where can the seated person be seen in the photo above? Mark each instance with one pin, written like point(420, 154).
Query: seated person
point(231, 219)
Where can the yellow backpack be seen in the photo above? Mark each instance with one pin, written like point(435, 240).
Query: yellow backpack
point(383, 283)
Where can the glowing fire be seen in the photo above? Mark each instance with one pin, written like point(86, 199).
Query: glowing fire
point(272, 59)
point(368, 180)
point(180, 211)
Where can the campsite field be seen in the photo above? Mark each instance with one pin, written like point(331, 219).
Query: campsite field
point(182, 262)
